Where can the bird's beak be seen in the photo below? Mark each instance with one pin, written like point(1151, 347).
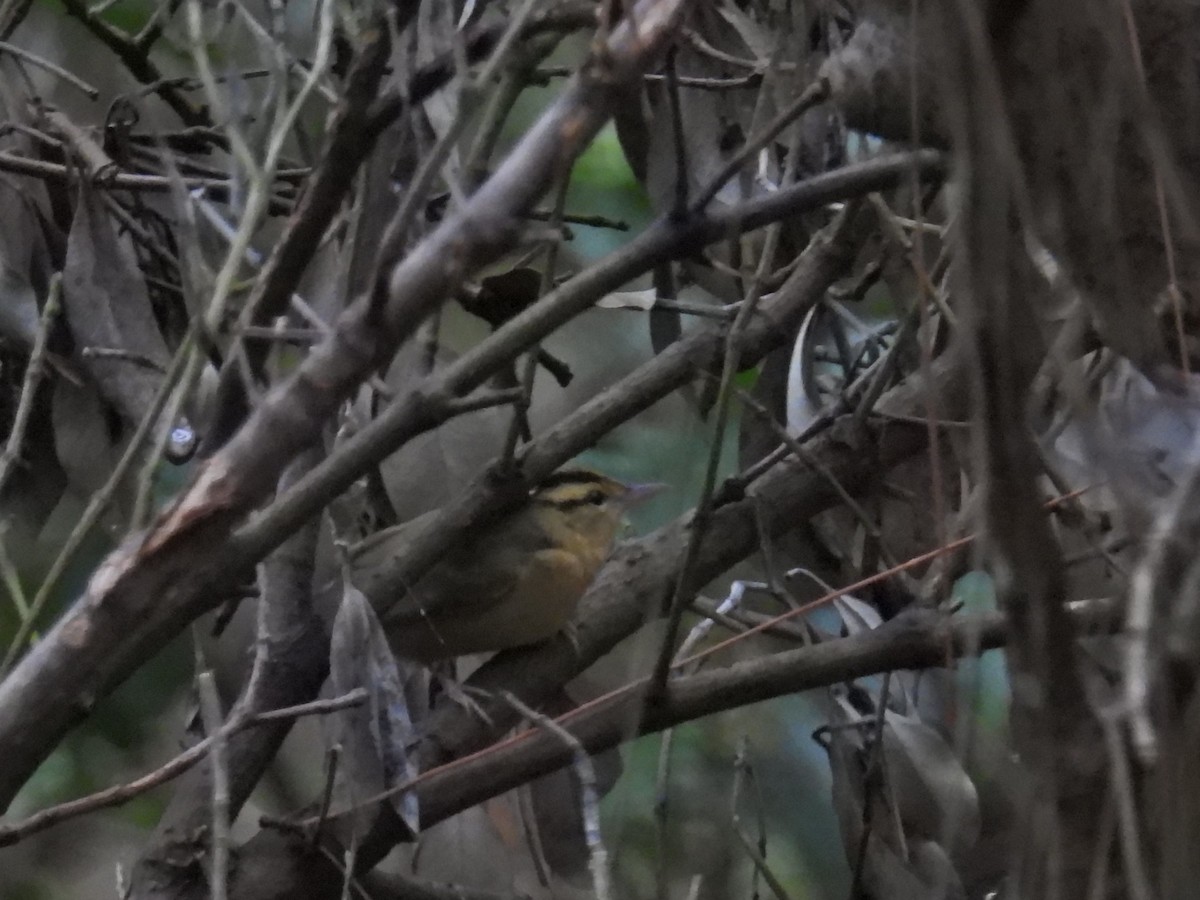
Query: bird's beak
point(638, 493)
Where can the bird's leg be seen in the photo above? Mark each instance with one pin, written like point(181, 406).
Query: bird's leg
point(459, 693)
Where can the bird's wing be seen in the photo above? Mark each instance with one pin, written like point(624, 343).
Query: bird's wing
point(452, 588)
point(472, 577)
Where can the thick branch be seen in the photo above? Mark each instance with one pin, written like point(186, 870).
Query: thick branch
point(118, 649)
point(179, 559)
point(637, 581)
point(922, 641)
point(424, 407)
point(635, 584)
point(360, 120)
point(290, 638)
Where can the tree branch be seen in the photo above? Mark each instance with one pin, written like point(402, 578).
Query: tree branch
point(635, 583)
point(153, 583)
point(427, 403)
point(135, 56)
point(362, 117)
point(291, 644)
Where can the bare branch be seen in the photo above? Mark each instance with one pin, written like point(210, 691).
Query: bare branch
point(290, 665)
point(135, 595)
point(123, 793)
point(135, 56)
point(34, 372)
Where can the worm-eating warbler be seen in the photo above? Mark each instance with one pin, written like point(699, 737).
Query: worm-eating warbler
point(515, 583)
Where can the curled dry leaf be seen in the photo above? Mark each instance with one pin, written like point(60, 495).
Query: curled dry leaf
point(898, 859)
point(108, 310)
point(935, 797)
point(375, 737)
point(25, 265)
point(856, 615)
point(83, 440)
point(844, 745)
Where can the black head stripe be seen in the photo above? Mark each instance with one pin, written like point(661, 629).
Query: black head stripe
point(570, 476)
point(571, 503)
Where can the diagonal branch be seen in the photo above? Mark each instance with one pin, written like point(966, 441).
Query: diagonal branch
point(824, 261)
point(630, 588)
point(290, 635)
point(918, 639)
point(135, 55)
point(150, 585)
point(663, 241)
point(360, 120)
point(636, 582)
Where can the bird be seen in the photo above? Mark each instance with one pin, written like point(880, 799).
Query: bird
point(515, 583)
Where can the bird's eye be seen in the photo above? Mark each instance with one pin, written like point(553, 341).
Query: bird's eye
point(596, 497)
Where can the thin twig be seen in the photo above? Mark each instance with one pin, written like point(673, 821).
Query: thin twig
point(589, 796)
point(519, 427)
point(349, 862)
point(137, 60)
point(874, 784)
point(737, 591)
point(533, 838)
point(11, 577)
point(131, 356)
point(1121, 785)
point(1160, 200)
point(730, 366)
point(679, 207)
point(213, 718)
point(331, 767)
point(814, 94)
point(592, 221)
point(34, 60)
point(801, 452)
point(97, 504)
point(757, 851)
point(753, 80)
point(487, 399)
point(662, 788)
point(490, 128)
point(123, 793)
point(34, 372)
point(260, 176)
point(218, 188)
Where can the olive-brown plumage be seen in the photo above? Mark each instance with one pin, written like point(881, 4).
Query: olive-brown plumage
point(515, 583)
